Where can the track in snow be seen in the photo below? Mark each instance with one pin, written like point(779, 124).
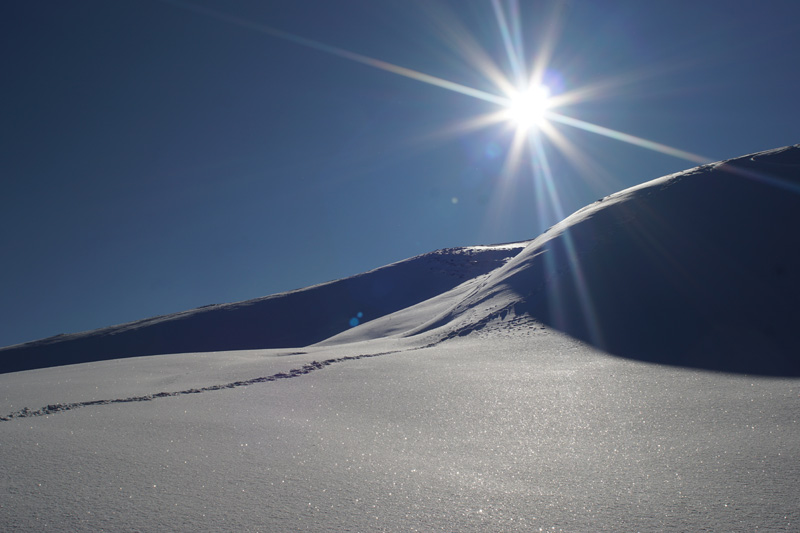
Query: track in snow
point(50, 409)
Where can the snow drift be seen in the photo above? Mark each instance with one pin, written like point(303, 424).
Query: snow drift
point(698, 268)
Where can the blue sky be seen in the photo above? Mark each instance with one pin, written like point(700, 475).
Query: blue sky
point(157, 157)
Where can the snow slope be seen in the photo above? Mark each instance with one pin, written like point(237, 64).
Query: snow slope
point(699, 268)
point(497, 431)
point(495, 404)
point(296, 318)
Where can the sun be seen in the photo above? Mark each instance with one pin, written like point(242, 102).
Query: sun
point(528, 108)
point(532, 108)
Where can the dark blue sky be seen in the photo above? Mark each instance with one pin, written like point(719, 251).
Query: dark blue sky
point(156, 159)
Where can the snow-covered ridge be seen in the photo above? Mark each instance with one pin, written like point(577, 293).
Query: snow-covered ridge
point(295, 318)
point(699, 268)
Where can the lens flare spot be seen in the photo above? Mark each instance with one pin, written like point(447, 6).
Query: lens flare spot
point(492, 150)
point(356, 320)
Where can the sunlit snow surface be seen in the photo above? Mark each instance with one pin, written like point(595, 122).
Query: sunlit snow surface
point(462, 405)
point(502, 430)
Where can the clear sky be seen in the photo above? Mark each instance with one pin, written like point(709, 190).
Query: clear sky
point(160, 155)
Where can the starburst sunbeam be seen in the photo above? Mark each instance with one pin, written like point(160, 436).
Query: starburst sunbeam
point(524, 115)
point(345, 54)
point(544, 177)
point(628, 138)
point(546, 46)
point(590, 170)
point(513, 49)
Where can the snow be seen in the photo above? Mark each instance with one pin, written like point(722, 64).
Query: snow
point(690, 269)
point(295, 318)
point(485, 392)
point(508, 432)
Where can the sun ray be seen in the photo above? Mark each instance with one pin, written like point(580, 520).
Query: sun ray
point(545, 177)
point(516, 151)
point(499, 202)
point(630, 139)
point(547, 46)
point(614, 86)
point(513, 49)
point(764, 177)
point(591, 170)
point(516, 33)
point(462, 42)
point(346, 54)
point(468, 125)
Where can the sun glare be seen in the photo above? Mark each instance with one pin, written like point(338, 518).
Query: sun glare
point(527, 109)
point(530, 109)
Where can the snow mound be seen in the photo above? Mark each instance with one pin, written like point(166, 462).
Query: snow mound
point(697, 269)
